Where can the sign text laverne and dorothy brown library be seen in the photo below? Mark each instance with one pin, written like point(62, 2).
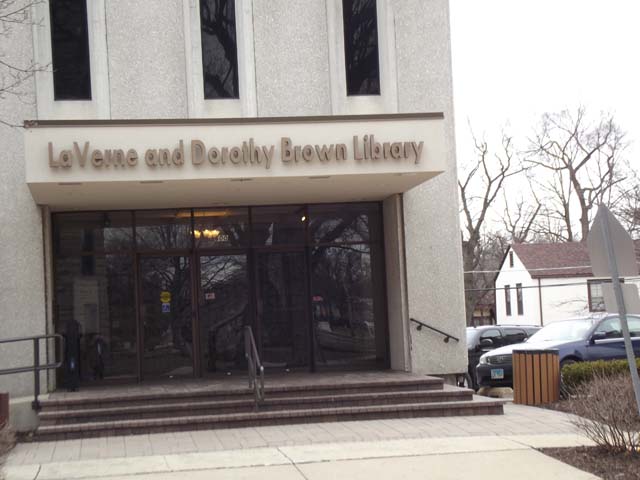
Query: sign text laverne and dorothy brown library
point(363, 149)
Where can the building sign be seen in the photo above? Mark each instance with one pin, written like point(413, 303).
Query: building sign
point(114, 164)
point(362, 149)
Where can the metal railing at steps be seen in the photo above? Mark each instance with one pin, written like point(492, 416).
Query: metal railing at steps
point(36, 368)
point(254, 366)
point(446, 335)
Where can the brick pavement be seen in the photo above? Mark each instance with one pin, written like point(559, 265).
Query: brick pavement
point(517, 420)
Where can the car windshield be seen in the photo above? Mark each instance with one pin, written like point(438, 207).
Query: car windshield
point(566, 330)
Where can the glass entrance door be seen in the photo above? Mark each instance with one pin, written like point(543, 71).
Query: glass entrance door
point(281, 308)
point(166, 316)
point(224, 310)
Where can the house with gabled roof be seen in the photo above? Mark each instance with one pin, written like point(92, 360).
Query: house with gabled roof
point(539, 283)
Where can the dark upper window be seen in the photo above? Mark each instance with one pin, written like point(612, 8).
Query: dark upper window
point(511, 259)
point(219, 49)
point(361, 47)
point(507, 299)
point(519, 299)
point(70, 50)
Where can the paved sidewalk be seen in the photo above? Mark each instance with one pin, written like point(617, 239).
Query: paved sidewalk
point(449, 447)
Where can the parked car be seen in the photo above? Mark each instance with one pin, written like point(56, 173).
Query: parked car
point(483, 339)
point(577, 340)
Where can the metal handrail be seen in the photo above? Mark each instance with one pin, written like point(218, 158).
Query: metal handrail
point(446, 335)
point(36, 368)
point(254, 366)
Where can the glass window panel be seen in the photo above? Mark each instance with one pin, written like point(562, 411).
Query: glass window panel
point(165, 309)
point(221, 227)
point(75, 233)
point(361, 47)
point(96, 313)
point(340, 223)
point(611, 328)
point(163, 229)
point(70, 50)
point(281, 305)
point(348, 316)
point(278, 225)
point(596, 297)
point(224, 311)
point(219, 49)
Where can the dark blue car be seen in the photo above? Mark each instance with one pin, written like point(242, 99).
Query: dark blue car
point(577, 340)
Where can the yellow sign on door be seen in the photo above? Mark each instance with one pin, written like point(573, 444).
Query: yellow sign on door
point(165, 297)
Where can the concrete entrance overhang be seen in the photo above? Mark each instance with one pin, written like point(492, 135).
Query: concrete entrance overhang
point(84, 165)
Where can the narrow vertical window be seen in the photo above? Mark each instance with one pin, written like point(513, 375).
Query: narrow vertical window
point(219, 49)
point(507, 299)
point(70, 50)
point(361, 47)
point(519, 299)
point(511, 259)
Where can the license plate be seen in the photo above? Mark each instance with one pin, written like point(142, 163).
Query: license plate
point(497, 374)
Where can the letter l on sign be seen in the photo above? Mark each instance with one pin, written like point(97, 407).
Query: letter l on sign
point(612, 254)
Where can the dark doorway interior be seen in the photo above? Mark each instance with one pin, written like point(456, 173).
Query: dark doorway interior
point(167, 293)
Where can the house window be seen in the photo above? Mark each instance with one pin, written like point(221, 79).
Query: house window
point(361, 47)
point(511, 259)
point(70, 50)
point(219, 49)
point(596, 295)
point(519, 299)
point(507, 299)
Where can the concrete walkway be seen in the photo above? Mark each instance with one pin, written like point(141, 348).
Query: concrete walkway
point(493, 447)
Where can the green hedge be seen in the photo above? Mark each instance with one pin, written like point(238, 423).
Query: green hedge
point(576, 374)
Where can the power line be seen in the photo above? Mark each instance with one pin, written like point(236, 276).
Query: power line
point(544, 269)
point(572, 284)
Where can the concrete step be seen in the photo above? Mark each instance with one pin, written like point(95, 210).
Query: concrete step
point(476, 406)
point(246, 404)
point(108, 400)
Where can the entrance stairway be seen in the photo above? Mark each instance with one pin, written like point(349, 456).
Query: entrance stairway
point(306, 400)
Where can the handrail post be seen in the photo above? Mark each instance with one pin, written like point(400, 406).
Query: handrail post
point(36, 373)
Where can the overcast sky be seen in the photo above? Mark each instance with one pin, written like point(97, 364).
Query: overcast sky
point(516, 59)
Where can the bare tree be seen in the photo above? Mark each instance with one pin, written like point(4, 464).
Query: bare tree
point(579, 165)
point(628, 208)
point(479, 188)
point(14, 74)
point(519, 218)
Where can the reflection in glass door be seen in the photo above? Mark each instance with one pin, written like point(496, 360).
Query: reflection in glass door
point(165, 312)
point(281, 308)
point(223, 311)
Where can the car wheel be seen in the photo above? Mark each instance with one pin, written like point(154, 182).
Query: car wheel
point(568, 361)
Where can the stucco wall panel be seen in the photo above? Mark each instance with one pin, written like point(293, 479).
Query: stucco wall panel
point(22, 303)
point(292, 58)
point(146, 51)
point(435, 282)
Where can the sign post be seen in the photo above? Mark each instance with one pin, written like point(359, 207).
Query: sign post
point(612, 253)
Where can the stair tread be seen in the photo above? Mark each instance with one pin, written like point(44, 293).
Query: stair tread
point(239, 391)
point(249, 402)
point(248, 416)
